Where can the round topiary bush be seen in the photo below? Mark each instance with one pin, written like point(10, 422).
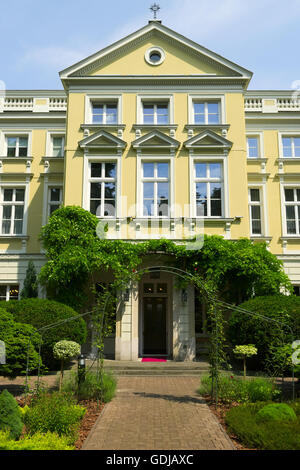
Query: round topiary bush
point(43, 312)
point(267, 336)
point(276, 412)
point(10, 416)
point(16, 336)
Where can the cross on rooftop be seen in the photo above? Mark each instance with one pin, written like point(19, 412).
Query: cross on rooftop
point(155, 8)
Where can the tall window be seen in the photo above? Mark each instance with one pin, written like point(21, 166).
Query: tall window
point(58, 146)
point(12, 211)
point(156, 188)
point(255, 211)
point(253, 147)
point(9, 292)
point(292, 210)
point(208, 184)
point(17, 146)
point(103, 189)
point(54, 200)
point(155, 113)
point(291, 146)
point(206, 112)
point(105, 113)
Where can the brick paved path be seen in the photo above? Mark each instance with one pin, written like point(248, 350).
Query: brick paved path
point(157, 413)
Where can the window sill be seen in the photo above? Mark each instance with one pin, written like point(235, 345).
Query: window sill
point(216, 127)
point(290, 238)
point(52, 158)
point(17, 237)
point(256, 160)
point(155, 126)
point(289, 159)
point(13, 159)
point(101, 126)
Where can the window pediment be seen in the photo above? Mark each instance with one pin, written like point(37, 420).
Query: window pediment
point(155, 139)
point(102, 139)
point(208, 140)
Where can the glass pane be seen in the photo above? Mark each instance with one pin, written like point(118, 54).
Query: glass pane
point(162, 288)
point(254, 195)
point(20, 194)
point(3, 292)
point(96, 170)
point(19, 211)
point(18, 226)
point(111, 114)
point(55, 194)
point(148, 169)
point(201, 208)
point(200, 170)
point(287, 146)
point(255, 212)
point(215, 191)
point(95, 208)
point(199, 113)
point(23, 142)
point(291, 226)
point(162, 114)
point(215, 170)
point(256, 227)
point(95, 190)
point(22, 151)
point(6, 226)
point(252, 147)
point(98, 113)
point(14, 292)
point(11, 141)
point(110, 190)
point(215, 208)
point(201, 190)
point(148, 288)
point(298, 194)
point(11, 151)
point(163, 170)
point(290, 212)
point(110, 170)
point(148, 207)
point(162, 191)
point(53, 208)
point(148, 114)
point(8, 194)
point(109, 207)
point(149, 190)
point(213, 113)
point(199, 119)
point(289, 194)
point(163, 207)
point(7, 212)
point(297, 146)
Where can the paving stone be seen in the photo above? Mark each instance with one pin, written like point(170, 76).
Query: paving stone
point(157, 413)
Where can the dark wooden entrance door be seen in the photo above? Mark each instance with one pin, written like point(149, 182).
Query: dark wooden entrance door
point(155, 333)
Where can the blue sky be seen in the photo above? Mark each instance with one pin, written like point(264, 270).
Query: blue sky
point(40, 38)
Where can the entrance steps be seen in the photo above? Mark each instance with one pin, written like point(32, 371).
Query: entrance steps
point(169, 368)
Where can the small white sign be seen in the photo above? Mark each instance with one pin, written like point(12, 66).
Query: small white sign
point(2, 353)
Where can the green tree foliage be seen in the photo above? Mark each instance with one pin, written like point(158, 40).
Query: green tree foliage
point(30, 289)
point(16, 336)
point(43, 312)
point(276, 412)
point(10, 416)
point(64, 351)
point(236, 268)
point(268, 337)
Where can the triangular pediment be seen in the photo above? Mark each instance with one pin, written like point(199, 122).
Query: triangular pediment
point(208, 139)
point(182, 57)
point(102, 139)
point(155, 139)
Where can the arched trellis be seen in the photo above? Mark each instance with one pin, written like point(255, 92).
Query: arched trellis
point(123, 284)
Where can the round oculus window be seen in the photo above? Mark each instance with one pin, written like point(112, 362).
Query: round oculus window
point(155, 56)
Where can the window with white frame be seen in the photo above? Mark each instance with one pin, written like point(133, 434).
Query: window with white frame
point(156, 189)
point(9, 292)
point(103, 181)
point(12, 210)
point(292, 210)
point(255, 208)
point(208, 181)
point(253, 147)
point(104, 113)
point(291, 146)
point(206, 112)
point(57, 145)
point(54, 199)
point(155, 113)
point(17, 146)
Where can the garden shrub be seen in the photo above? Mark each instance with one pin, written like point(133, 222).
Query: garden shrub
point(43, 312)
point(55, 412)
point(235, 389)
point(10, 416)
point(267, 337)
point(16, 338)
point(271, 435)
point(276, 412)
point(91, 387)
point(39, 441)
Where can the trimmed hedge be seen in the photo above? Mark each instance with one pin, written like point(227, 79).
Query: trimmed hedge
point(43, 312)
point(276, 412)
point(265, 335)
point(16, 337)
point(271, 435)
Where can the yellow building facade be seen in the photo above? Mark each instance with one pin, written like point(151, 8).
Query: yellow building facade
point(158, 137)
